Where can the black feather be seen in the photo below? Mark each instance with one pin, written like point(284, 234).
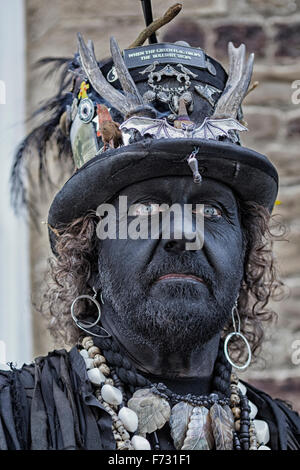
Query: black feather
point(34, 147)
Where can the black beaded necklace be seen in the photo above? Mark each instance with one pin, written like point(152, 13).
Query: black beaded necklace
point(243, 432)
point(161, 390)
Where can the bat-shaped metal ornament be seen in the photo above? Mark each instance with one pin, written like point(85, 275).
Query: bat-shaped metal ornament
point(161, 129)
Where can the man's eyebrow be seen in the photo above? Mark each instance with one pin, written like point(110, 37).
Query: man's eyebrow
point(151, 193)
point(215, 194)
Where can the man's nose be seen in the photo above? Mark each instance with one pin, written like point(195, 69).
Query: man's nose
point(185, 234)
point(175, 246)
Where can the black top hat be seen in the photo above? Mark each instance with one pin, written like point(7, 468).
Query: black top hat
point(157, 110)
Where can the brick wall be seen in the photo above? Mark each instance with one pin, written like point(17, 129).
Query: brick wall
point(271, 29)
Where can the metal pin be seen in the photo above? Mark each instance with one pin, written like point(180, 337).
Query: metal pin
point(193, 164)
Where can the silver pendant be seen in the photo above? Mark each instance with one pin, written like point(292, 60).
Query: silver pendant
point(152, 411)
point(86, 110)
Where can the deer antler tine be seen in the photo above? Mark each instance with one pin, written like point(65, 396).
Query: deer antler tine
point(244, 82)
point(243, 85)
point(236, 61)
point(231, 55)
point(241, 57)
point(239, 77)
point(90, 46)
point(82, 48)
point(96, 78)
point(87, 57)
point(247, 74)
point(124, 76)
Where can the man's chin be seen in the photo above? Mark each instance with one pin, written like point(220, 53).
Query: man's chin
point(175, 330)
point(168, 322)
point(179, 290)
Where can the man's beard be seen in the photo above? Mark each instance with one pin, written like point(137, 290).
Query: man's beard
point(170, 316)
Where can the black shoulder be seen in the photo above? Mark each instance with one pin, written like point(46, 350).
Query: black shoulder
point(50, 404)
point(292, 420)
point(283, 421)
point(15, 387)
point(21, 401)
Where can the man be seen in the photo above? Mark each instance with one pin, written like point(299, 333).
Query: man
point(163, 263)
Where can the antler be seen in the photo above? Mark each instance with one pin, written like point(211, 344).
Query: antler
point(124, 76)
point(239, 76)
point(129, 103)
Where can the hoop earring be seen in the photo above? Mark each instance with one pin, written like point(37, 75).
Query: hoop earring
point(85, 325)
point(237, 332)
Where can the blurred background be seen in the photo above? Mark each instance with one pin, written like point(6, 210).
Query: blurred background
point(34, 29)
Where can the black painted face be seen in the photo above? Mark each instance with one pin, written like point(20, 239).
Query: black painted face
point(162, 294)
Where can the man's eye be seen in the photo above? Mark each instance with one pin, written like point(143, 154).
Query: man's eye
point(150, 208)
point(207, 211)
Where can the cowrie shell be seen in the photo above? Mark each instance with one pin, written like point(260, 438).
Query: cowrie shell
point(111, 395)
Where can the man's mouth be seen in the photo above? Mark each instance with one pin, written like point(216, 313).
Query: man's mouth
point(180, 276)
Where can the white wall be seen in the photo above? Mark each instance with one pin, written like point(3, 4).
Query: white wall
point(15, 317)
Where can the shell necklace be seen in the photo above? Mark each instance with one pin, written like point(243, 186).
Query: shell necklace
point(196, 423)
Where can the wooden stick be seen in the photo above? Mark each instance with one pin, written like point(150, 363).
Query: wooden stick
point(156, 24)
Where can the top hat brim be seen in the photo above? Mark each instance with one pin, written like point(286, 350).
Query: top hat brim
point(249, 174)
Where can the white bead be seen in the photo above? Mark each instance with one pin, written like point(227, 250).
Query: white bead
point(129, 419)
point(89, 363)
point(242, 388)
point(264, 448)
point(253, 409)
point(84, 353)
point(262, 431)
point(111, 395)
point(95, 376)
point(140, 443)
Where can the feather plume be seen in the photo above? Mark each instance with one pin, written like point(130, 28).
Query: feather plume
point(222, 426)
point(32, 155)
point(199, 434)
point(179, 421)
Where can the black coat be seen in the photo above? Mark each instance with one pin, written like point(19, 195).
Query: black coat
point(50, 405)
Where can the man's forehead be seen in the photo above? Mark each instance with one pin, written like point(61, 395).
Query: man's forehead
point(180, 186)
